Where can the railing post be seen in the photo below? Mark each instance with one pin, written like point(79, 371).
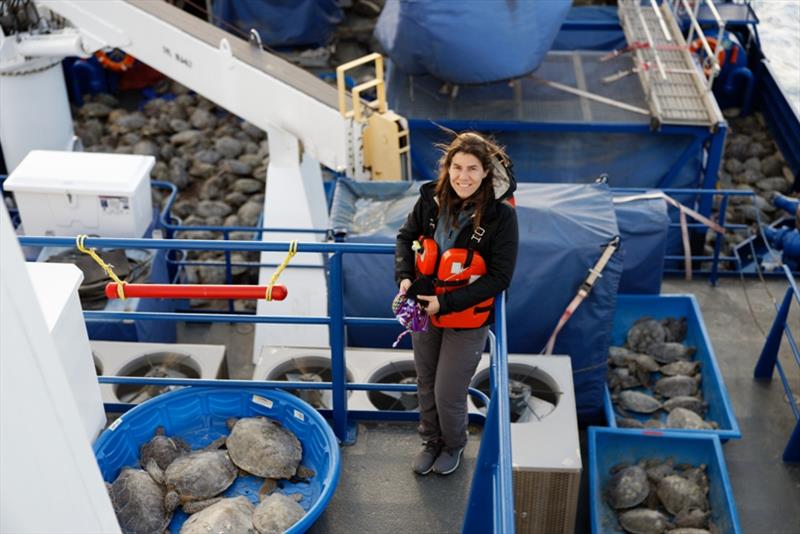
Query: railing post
point(723, 205)
point(338, 373)
point(769, 355)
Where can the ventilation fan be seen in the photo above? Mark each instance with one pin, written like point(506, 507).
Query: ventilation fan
point(308, 369)
point(533, 394)
point(396, 372)
point(154, 365)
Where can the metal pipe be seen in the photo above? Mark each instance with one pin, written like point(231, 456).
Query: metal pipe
point(199, 291)
point(650, 41)
point(66, 44)
point(661, 22)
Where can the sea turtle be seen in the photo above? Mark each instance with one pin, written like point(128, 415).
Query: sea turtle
point(695, 404)
point(629, 422)
point(677, 494)
point(687, 419)
point(645, 332)
point(644, 362)
point(675, 328)
point(680, 367)
point(636, 401)
point(644, 521)
point(139, 503)
point(194, 480)
point(677, 386)
point(162, 449)
point(628, 486)
point(277, 513)
point(654, 423)
point(692, 518)
point(618, 356)
point(657, 469)
point(696, 475)
point(227, 516)
point(670, 352)
point(621, 378)
point(264, 448)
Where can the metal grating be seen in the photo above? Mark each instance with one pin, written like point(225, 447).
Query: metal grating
point(676, 89)
point(545, 502)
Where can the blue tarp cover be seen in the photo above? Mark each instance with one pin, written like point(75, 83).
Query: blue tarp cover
point(563, 229)
point(281, 22)
point(469, 42)
point(643, 226)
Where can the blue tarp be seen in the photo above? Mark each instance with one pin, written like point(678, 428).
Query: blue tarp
point(591, 38)
point(281, 22)
point(469, 42)
point(643, 225)
point(563, 228)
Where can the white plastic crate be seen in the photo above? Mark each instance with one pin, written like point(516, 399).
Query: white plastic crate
point(70, 193)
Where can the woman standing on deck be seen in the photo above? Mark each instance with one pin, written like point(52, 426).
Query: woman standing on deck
point(459, 246)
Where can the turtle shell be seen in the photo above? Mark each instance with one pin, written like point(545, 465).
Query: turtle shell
point(139, 503)
point(201, 474)
point(264, 448)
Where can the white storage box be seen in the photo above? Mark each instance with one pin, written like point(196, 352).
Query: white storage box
point(71, 193)
point(56, 287)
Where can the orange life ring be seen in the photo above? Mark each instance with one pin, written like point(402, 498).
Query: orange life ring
point(110, 61)
point(697, 46)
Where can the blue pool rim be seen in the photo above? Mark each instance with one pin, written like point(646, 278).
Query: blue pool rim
point(649, 306)
point(667, 438)
point(328, 482)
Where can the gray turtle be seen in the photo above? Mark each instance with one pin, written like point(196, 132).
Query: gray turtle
point(692, 518)
point(194, 480)
point(644, 521)
point(264, 448)
point(675, 328)
point(677, 386)
point(139, 503)
point(636, 401)
point(695, 404)
point(645, 362)
point(677, 494)
point(277, 513)
point(654, 423)
point(644, 333)
point(621, 378)
point(658, 469)
point(680, 367)
point(686, 419)
point(227, 516)
point(619, 356)
point(670, 352)
point(628, 487)
point(696, 475)
point(629, 422)
point(162, 449)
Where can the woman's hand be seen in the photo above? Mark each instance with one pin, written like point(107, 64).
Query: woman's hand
point(404, 285)
point(433, 303)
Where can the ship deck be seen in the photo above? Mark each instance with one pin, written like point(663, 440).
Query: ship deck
point(377, 491)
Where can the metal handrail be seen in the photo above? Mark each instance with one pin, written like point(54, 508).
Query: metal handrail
point(496, 439)
point(768, 361)
point(695, 26)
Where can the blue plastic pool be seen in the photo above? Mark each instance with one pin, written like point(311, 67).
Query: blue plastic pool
point(199, 416)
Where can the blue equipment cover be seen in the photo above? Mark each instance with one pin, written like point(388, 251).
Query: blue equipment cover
point(643, 226)
point(469, 42)
point(281, 22)
point(609, 37)
point(563, 229)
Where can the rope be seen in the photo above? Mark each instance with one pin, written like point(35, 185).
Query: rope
point(281, 267)
point(109, 269)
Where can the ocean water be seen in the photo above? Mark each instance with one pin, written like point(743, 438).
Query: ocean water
point(780, 38)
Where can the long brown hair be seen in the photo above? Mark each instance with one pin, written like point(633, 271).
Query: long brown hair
point(485, 150)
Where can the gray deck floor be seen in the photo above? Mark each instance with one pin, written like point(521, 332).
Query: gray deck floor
point(378, 492)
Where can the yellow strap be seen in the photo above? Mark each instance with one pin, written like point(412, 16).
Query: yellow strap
point(281, 267)
point(79, 240)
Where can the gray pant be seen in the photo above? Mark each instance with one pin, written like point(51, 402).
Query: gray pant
point(446, 360)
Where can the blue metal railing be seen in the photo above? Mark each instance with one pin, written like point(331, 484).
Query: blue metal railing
point(769, 361)
point(493, 469)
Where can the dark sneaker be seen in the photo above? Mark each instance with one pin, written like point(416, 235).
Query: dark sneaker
point(423, 461)
point(448, 461)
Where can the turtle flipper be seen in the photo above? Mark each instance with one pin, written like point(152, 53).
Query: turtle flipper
point(192, 507)
point(154, 471)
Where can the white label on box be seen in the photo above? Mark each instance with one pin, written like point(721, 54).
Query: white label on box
point(113, 426)
point(110, 205)
point(262, 401)
point(299, 415)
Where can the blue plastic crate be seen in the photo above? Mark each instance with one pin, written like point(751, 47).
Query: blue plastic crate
point(609, 447)
point(199, 416)
point(632, 307)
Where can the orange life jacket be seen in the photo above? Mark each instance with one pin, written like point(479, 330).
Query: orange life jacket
point(457, 267)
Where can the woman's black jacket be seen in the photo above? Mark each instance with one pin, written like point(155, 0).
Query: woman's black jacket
point(498, 247)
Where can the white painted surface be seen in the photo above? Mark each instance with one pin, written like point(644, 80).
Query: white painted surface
point(56, 287)
point(50, 481)
point(70, 193)
point(34, 112)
